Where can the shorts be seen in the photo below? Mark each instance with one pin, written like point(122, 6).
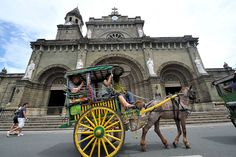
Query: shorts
point(15, 120)
point(21, 122)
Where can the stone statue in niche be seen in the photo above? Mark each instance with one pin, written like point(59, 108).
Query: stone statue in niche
point(199, 66)
point(79, 64)
point(140, 32)
point(150, 66)
point(29, 71)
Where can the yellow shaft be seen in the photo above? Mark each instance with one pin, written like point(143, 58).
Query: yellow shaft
point(157, 105)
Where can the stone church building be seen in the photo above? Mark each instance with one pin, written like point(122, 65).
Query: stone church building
point(153, 65)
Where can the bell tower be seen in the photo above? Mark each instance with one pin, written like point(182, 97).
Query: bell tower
point(72, 28)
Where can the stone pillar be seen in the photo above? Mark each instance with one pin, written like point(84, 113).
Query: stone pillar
point(153, 84)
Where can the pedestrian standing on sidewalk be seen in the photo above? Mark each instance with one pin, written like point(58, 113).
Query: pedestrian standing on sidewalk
point(15, 121)
point(22, 117)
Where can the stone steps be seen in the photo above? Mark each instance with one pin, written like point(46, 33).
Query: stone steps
point(53, 122)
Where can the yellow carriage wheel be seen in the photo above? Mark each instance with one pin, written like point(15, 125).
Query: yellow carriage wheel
point(95, 133)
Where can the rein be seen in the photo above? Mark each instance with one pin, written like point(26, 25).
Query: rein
point(140, 97)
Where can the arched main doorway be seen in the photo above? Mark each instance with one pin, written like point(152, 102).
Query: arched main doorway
point(173, 76)
point(53, 79)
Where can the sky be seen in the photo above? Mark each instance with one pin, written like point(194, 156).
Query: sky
point(212, 21)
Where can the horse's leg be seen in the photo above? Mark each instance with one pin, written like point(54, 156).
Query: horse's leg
point(158, 132)
point(176, 141)
point(143, 137)
point(185, 140)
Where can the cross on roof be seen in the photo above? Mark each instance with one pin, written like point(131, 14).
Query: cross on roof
point(114, 11)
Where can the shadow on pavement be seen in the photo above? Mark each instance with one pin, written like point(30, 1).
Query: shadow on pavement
point(60, 149)
point(229, 140)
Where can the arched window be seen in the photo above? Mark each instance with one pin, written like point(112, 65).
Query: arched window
point(76, 20)
point(115, 35)
point(70, 19)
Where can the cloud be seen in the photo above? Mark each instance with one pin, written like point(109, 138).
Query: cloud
point(212, 21)
point(14, 47)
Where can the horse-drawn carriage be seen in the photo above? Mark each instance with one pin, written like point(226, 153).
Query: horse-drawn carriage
point(228, 95)
point(100, 121)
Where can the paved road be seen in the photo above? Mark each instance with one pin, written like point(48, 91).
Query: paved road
point(212, 140)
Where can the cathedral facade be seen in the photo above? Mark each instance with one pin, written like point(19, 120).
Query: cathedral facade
point(154, 66)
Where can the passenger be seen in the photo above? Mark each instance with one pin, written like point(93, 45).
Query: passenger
point(232, 86)
point(120, 89)
point(107, 84)
point(76, 84)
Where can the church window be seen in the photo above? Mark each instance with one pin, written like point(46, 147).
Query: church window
point(76, 20)
point(115, 35)
point(12, 94)
point(70, 19)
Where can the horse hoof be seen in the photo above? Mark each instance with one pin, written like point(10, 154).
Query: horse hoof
point(188, 147)
point(143, 149)
point(167, 146)
point(175, 145)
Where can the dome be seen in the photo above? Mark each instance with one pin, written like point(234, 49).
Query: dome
point(75, 12)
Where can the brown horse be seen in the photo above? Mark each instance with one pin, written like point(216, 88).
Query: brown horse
point(176, 109)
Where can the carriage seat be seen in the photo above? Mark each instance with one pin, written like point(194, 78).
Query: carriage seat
point(78, 98)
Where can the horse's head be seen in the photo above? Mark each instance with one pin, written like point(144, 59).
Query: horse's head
point(189, 93)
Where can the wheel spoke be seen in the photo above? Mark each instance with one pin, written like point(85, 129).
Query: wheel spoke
point(85, 138)
point(94, 144)
point(94, 118)
point(110, 143)
point(99, 117)
point(108, 120)
point(109, 131)
point(86, 126)
point(99, 147)
point(117, 122)
point(117, 139)
point(85, 132)
point(90, 122)
point(105, 147)
point(104, 117)
point(89, 143)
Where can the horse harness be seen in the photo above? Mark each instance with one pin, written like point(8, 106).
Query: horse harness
point(178, 105)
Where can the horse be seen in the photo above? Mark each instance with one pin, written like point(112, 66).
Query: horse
point(176, 109)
